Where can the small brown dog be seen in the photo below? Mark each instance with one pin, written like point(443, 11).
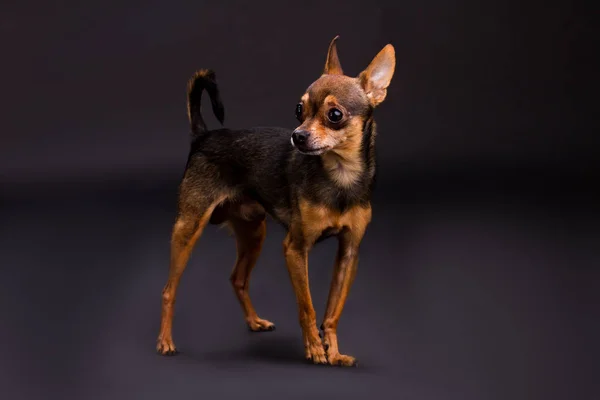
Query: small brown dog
point(316, 181)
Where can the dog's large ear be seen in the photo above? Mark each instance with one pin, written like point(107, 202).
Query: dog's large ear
point(378, 75)
point(332, 65)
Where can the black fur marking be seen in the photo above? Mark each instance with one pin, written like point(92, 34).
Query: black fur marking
point(203, 79)
point(262, 164)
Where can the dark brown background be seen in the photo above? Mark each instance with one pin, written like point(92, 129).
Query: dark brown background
point(479, 275)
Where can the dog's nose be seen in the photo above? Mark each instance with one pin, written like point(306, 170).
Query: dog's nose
point(300, 137)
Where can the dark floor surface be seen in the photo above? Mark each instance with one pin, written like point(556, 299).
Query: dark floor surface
point(464, 291)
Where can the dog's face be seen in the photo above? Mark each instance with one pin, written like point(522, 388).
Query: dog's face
point(335, 107)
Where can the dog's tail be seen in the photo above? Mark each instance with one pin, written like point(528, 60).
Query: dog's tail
point(203, 79)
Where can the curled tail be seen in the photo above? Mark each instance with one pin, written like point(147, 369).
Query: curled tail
point(203, 79)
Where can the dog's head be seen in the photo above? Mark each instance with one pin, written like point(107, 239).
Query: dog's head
point(333, 110)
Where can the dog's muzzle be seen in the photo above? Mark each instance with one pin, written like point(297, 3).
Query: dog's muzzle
point(300, 138)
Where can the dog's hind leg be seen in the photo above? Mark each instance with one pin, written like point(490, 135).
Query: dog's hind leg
point(192, 219)
point(250, 234)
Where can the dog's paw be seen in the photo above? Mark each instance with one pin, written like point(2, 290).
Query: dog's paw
point(341, 360)
point(166, 347)
point(316, 353)
point(260, 325)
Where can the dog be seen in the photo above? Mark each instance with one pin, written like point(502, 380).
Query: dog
point(315, 180)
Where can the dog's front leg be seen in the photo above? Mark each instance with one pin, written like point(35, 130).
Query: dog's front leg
point(296, 256)
point(343, 276)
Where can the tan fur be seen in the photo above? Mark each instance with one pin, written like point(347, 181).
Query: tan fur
point(204, 199)
point(332, 65)
point(378, 75)
point(186, 232)
point(312, 220)
point(344, 163)
point(250, 236)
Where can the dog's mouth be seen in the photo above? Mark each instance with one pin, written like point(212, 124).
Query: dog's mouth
point(312, 151)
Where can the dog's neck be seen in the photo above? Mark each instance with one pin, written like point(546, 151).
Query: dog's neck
point(349, 162)
point(344, 166)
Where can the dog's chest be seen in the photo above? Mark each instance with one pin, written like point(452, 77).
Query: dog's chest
point(320, 222)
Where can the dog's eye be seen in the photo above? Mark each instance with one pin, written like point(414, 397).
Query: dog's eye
point(335, 115)
point(299, 111)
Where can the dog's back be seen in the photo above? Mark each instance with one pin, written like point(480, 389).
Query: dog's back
point(250, 162)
